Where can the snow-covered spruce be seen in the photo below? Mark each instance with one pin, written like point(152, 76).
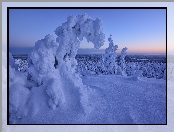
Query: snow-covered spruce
point(122, 62)
point(109, 58)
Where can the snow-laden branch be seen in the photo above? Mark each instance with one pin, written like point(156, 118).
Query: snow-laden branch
point(71, 33)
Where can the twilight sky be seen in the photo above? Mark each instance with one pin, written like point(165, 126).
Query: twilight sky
point(141, 30)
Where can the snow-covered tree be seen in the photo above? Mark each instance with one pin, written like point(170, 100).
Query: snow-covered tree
point(160, 69)
point(148, 70)
point(71, 33)
point(22, 64)
point(100, 66)
point(52, 63)
point(122, 61)
point(107, 63)
point(109, 58)
point(69, 36)
point(154, 70)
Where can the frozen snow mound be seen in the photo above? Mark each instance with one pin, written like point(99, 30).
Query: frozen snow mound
point(18, 93)
point(56, 93)
point(136, 75)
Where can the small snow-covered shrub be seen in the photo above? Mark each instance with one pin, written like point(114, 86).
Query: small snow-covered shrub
point(160, 69)
point(22, 64)
point(136, 75)
point(100, 67)
point(130, 69)
point(154, 70)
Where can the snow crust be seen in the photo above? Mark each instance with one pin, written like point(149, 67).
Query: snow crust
point(114, 99)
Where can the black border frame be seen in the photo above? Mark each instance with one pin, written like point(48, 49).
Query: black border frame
point(8, 8)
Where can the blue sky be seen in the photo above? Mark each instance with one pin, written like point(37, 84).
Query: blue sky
point(141, 30)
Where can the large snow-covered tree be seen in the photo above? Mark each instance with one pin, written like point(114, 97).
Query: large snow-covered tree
point(60, 78)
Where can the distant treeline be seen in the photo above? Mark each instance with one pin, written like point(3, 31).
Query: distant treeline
point(128, 58)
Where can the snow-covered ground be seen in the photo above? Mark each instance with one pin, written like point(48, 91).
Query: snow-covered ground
point(114, 99)
point(127, 100)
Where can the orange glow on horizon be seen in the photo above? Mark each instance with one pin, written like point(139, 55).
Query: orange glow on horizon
point(145, 48)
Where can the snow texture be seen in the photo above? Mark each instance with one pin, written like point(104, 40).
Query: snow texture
point(51, 91)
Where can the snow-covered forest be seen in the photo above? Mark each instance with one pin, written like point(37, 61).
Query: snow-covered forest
point(54, 86)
